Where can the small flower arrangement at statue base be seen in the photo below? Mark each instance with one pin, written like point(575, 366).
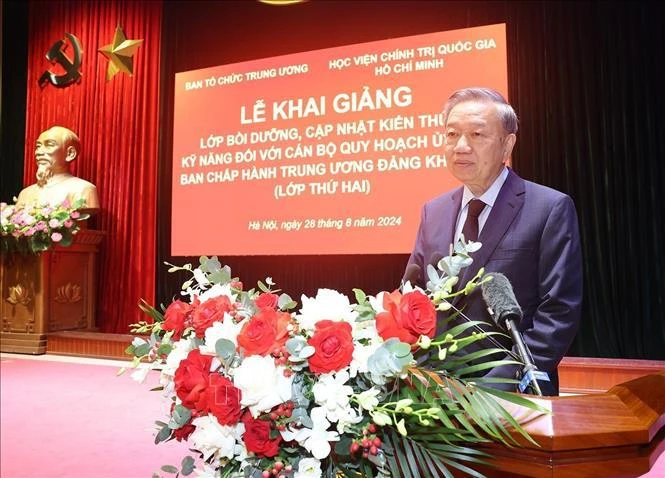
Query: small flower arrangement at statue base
point(33, 229)
point(334, 388)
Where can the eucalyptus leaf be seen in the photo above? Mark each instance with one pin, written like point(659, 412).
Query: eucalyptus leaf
point(169, 469)
point(225, 350)
point(187, 465)
point(141, 350)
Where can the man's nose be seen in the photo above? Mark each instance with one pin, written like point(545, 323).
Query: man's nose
point(462, 144)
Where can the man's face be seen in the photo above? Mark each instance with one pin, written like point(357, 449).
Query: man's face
point(50, 155)
point(476, 144)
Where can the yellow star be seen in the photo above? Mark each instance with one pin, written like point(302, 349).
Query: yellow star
point(120, 54)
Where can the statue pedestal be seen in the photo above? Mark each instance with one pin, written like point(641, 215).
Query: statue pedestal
point(48, 292)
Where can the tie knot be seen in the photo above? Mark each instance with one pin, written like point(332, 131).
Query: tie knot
point(476, 206)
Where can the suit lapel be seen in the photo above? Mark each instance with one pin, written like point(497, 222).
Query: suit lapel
point(449, 219)
point(508, 203)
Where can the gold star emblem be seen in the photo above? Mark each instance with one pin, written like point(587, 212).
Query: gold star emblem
point(120, 54)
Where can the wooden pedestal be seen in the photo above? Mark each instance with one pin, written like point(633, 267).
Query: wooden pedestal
point(48, 292)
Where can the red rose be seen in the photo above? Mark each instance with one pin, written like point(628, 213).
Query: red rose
point(209, 312)
point(223, 400)
point(177, 318)
point(264, 332)
point(191, 381)
point(266, 299)
point(257, 437)
point(182, 433)
point(333, 346)
point(236, 284)
point(407, 317)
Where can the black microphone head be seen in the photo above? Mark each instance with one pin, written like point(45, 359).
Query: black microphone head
point(412, 274)
point(500, 298)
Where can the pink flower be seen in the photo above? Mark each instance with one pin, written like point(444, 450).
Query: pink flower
point(56, 237)
point(76, 215)
point(69, 223)
point(54, 223)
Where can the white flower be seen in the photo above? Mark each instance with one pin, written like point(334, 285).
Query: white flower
point(201, 278)
point(207, 471)
point(363, 351)
point(308, 468)
point(227, 329)
point(367, 399)
point(381, 419)
point(263, 385)
point(141, 372)
point(138, 341)
point(348, 416)
point(408, 287)
point(332, 394)
point(317, 439)
point(178, 353)
point(377, 302)
point(217, 290)
point(327, 305)
point(213, 439)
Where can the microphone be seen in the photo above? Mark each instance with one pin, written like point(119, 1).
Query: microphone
point(506, 312)
point(412, 274)
point(434, 259)
point(501, 301)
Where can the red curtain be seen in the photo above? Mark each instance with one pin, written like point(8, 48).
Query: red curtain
point(117, 122)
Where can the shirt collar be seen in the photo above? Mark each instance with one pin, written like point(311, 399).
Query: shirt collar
point(489, 196)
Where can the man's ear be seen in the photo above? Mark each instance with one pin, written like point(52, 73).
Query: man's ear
point(508, 145)
point(71, 154)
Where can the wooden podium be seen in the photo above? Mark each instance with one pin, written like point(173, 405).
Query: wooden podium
point(48, 292)
point(616, 434)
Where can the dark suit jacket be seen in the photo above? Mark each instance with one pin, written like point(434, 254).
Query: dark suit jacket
point(532, 237)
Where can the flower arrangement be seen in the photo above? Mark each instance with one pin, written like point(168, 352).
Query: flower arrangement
point(333, 389)
point(32, 229)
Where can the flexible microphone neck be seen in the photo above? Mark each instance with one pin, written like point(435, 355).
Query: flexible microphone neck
point(506, 312)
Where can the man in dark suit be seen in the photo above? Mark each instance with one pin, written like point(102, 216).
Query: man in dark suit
point(528, 232)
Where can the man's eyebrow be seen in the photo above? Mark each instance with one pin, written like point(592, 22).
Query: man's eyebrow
point(476, 123)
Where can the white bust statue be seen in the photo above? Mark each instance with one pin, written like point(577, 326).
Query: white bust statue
point(54, 150)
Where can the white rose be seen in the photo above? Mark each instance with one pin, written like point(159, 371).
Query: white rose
point(213, 439)
point(227, 329)
point(327, 305)
point(263, 385)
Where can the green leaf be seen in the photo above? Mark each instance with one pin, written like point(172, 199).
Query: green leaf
point(164, 349)
point(163, 435)
point(169, 469)
point(150, 311)
point(225, 350)
point(187, 465)
point(180, 416)
point(142, 350)
point(483, 366)
point(361, 297)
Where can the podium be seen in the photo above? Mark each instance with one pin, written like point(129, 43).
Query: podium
point(616, 434)
point(48, 292)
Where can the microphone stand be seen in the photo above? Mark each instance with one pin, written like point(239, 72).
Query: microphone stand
point(529, 370)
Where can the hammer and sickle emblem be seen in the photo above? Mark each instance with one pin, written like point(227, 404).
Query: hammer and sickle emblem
point(56, 54)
